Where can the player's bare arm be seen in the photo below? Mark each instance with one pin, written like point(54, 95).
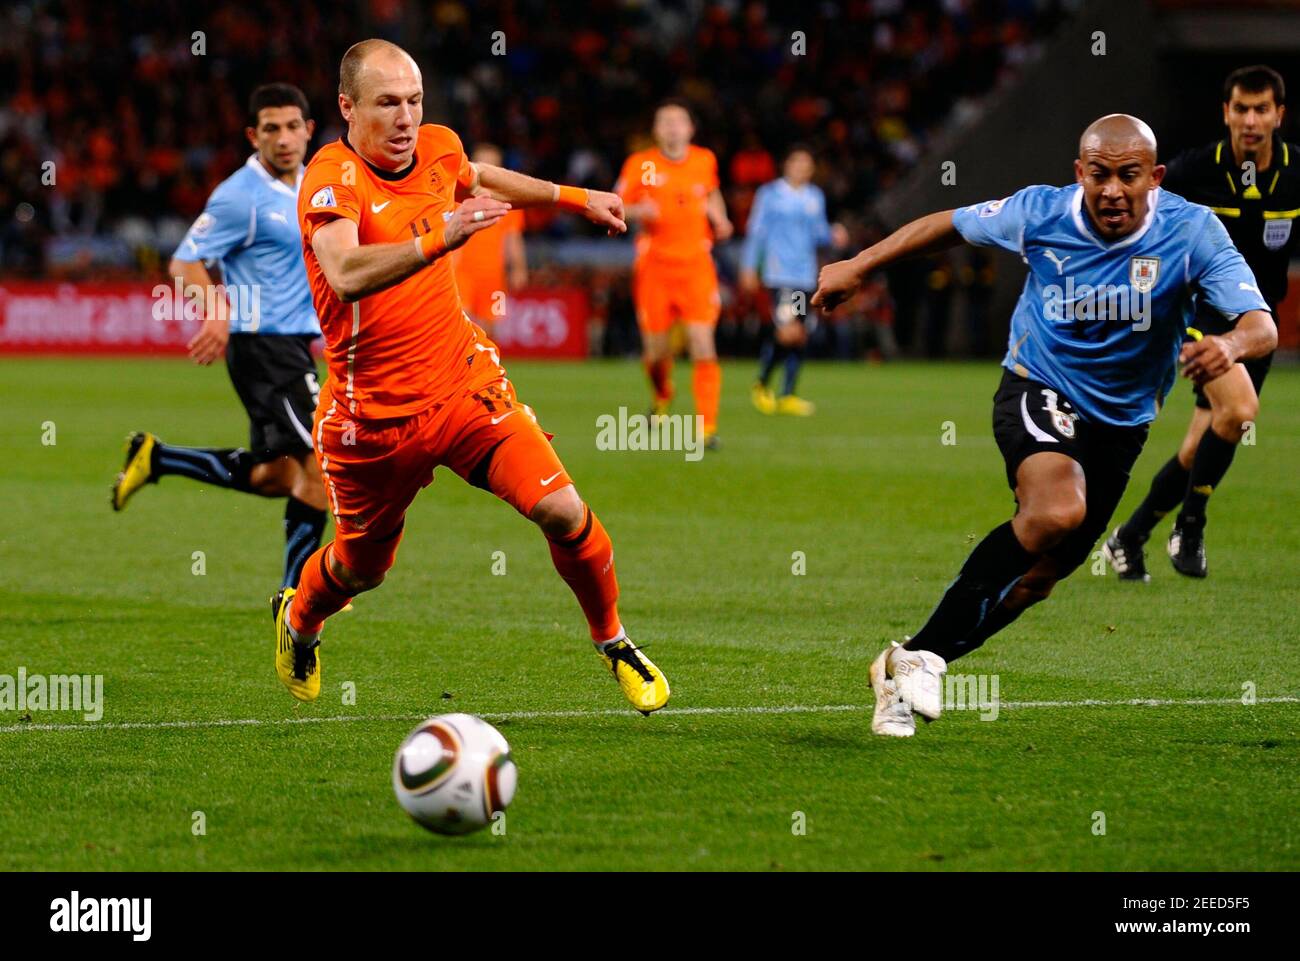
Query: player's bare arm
point(1254, 336)
point(837, 282)
point(210, 341)
point(521, 190)
point(716, 209)
point(355, 270)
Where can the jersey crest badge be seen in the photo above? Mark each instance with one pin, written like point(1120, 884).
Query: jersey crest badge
point(1063, 422)
point(1276, 233)
point(1142, 273)
point(323, 198)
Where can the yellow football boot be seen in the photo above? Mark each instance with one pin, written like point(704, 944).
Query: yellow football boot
point(795, 406)
point(764, 400)
point(296, 664)
point(137, 470)
point(643, 684)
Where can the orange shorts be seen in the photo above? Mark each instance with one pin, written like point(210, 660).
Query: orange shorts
point(670, 292)
point(373, 469)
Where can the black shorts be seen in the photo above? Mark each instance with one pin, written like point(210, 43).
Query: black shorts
point(792, 305)
point(1029, 417)
point(1257, 367)
point(275, 377)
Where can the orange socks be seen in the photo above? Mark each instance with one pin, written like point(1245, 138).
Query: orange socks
point(319, 595)
point(585, 559)
point(707, 385)
point(660, 373)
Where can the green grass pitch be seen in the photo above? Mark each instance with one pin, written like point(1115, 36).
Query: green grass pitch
point(768, 728)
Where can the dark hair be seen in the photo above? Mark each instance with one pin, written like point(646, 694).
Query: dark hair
point(676, 102)
point(276, 95)
point(1256, 79)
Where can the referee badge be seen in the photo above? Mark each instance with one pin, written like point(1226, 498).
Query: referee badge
point(1142, 273)
point(1277, 233)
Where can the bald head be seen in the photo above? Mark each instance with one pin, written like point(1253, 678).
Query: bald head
point(1118, 132)
point(381, 96)
point(1117, 170)
point(367, 57)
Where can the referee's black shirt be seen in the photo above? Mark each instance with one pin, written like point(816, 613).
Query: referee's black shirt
point(1260, 217)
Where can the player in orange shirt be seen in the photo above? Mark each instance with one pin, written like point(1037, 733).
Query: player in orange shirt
point(414, 384)
point(671, 189)
point(492, 262)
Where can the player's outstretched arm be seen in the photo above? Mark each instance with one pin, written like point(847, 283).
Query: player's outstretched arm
point(1254, 336)
point(838, 281)
point(354, 270)
point(521, 190)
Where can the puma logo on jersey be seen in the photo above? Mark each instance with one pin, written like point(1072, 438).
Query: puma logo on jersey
point(376, 208)
point(1059, 261)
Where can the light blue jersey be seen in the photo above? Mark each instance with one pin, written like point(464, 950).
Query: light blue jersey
point(250, 226)
point(1103, 323)
point(786, 226)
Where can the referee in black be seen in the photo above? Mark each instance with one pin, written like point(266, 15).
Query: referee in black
point(1251, 179)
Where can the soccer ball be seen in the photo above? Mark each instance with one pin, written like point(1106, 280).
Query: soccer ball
point(453, 773)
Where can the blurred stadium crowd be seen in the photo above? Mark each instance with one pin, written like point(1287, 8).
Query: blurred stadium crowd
point(141, 126)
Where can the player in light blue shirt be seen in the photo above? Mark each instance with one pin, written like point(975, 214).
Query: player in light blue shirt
point(242, 259)
point(786, 227)
point(1117, 268)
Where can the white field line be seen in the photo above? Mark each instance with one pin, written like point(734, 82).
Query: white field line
point(620, 712)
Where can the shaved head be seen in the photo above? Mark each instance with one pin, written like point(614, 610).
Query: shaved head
point(381, 96)
point(360, 56)
point(1118, 172)
point(1115, 132)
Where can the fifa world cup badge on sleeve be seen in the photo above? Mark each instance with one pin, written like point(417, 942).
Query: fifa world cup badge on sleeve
point(323, 198)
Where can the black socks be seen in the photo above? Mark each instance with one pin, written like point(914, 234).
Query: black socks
point(1213, 457)
point(992, 569)
point(221, 467)
point(304, 526)
point(1168, 488)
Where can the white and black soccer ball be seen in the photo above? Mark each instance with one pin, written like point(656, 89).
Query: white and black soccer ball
point(453, 773)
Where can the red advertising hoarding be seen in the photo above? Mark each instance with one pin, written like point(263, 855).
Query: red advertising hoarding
point(142, 318)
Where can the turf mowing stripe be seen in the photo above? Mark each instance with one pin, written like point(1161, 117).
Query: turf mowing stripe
point(531, 715)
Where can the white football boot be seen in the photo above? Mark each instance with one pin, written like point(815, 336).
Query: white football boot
point(919, 676)
point(893, 715)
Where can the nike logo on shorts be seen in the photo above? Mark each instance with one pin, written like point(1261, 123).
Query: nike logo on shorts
point(546, 481)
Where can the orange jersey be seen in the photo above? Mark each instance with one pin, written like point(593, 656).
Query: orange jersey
point(481, 264)
point(401, 350)
point(680, 189)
